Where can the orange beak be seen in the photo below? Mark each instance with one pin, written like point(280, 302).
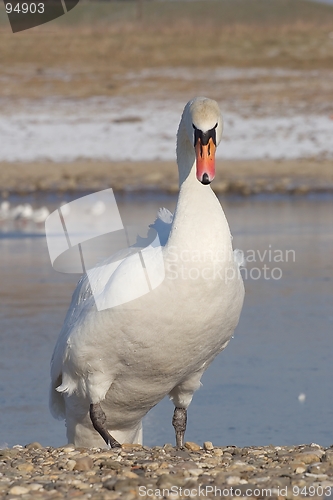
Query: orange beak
point(205, 156)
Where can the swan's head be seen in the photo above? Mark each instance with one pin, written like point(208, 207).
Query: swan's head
point(204, 125)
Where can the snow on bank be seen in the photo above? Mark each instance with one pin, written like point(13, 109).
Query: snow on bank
point(111, 129)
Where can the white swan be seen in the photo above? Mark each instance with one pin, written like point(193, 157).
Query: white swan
point(109, 368)
point(40, 215)
point(25, 211)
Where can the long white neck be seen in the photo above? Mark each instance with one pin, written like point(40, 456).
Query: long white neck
point(199, 221)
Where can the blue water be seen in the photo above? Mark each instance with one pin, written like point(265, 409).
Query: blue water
point(283, 345)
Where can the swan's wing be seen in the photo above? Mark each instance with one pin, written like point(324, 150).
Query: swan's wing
point(76, 365)
point(82, 294)
point(83, 300)
point(162, 224)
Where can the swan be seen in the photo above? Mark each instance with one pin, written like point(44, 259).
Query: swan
point(40, 215)
point(110, 367)
point(22, 212)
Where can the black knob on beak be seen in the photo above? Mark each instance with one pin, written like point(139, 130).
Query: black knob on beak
point(205, 179)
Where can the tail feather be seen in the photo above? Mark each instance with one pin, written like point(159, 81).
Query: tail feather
point(57, 403)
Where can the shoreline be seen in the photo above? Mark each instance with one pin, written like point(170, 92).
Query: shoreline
point(136, 471)
point(301, 176)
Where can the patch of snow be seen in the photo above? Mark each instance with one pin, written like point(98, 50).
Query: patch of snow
point(220, 74)
point(115, 129)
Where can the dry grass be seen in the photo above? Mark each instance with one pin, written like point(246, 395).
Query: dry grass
point(245, 177)
point(91, 49)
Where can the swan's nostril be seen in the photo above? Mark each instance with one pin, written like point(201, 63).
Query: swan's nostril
point(205, 179)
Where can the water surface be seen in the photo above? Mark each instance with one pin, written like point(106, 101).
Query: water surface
point(282, 347)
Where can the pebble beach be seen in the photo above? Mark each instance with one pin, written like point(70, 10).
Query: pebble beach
point(136, 471)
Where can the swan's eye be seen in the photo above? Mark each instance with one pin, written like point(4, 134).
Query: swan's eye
point(204, 136)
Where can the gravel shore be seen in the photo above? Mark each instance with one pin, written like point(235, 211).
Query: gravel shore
point(237, 177)
point(136, 471)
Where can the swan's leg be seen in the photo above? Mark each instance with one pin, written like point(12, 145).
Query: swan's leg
point(179, 421)
point(181, 395)
point(98, 420)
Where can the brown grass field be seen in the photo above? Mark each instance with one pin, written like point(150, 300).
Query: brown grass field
point(91, 50)
point(242, 177)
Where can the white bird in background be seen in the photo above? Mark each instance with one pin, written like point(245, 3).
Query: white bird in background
point(23, 212)
point(40, 215)
point(110, 367)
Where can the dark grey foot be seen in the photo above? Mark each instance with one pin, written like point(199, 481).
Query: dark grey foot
point(98, 420)
point(179, 422)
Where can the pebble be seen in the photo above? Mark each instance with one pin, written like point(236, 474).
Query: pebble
point(192, 446)
point(68, 449)
point(111, 464)
point(208, 446)
point(180, 454)
point(33, 446)
point(130, 446)
point(18, 490)
point(25, 467)
point(8, 453)
point(308, 458)
point(328, 457)
point(35, 487)
point(34, 472)
point(195, 472)
point(70, 465)
point(83, 464)
point(231, 480)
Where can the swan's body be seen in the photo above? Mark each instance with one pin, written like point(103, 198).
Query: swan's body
point(23, 212)
point(40, 215)
point(128, 359)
